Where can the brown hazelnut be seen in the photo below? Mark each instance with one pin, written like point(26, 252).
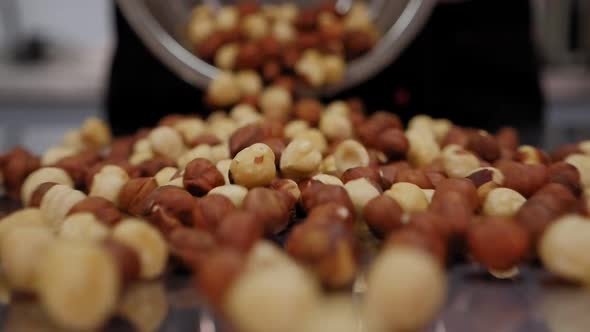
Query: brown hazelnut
point(239, 230)
point(271, 70)
point(498, 243)
point(328, 249)
point(415, 238)
point(286, 82)
point(368, 173)
point(455, 208)
point(38, 194)
point(331, 212)
point(307, 19)
point(77, 166)
point(206, 139)
point(393, 143)
point(151, 167)
point(431, 223)
point(416, 177)
point(169, 201)
point(383, 215)
point(210, 210)
point(357, 43)
point(121, 149)
point(15, 166)
point(270, 47)
point(217, 273)
point(200, 176)
point(457, 136)
point(389, 172)
point(308, 110)
point(464, 187)
point(514, 179)
point(244, 137)
point(104, 210)
point(507, 138)
point(270, 207)
point(126, 259)
point(318, 193)
point(369, 131)
point(209, 47)
point(191, 246)
point(277, 145)
point(133, 194)
point(564, 151)
point(566, 175)
point(249, 56)
point(484, 145)
point(531, 155)
point(435, 177)
point(291, 56)
point(288, 187)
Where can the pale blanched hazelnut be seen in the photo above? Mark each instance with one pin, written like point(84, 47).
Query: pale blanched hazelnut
point(166, 142)
point(199, 30)
point(328, 179)
point(234, 192)
point(249, 82)
point(409, 196)
point(142, 145)
point(311, 67)
point(139, 157)
point(582, 163)
point(225, 58)
point(295, 127)
point(22, 218)
point(44, 174)
point(57, 202)
point(283, 32)
point(57, 153)
point(83, 227)
point(165, 175)
point(254, 166)
point(334, 68)
point(314, 136)
point(145, 305)
point(530, 155)
point(429, 193)
point(245, 114)
point(95, 133)
point(361, 191)
point(266, 254)
point(276, 103)
point(224, 90)
point(358, 17)
point(200, 151)
point(227, 18)
point(22, 249)
point(421, 122)
point(78, 284)
point(335, 126)
point(457, 162)
point(328, 166)
point(287, 12)
point(220, 152)
point(334, 313)
point(423, 147)
point(502, 202)
point(287, 186)
point(190, 128)
point(223, 168)
point(284, 294)
point(584, 146)
point(563, 248)
point(223, 128)
point(350, 154)
point(147, 242)
point(392, 301)
point(73, 139)
point(108, 182)
point(300, 159)
point(255, 26)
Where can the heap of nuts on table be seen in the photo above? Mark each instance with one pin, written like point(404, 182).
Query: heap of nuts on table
point(368, 206)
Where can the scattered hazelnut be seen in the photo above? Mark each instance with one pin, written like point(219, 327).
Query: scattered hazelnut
point(255, 26)
point(210, 210)
point(201, 176)
point(507, 138)
point(486, 179)
point(423, 148)
point(582, 163)
point(415, 237)
point(133, 308)
point(308, 110)
point(227, 18)
point(318, 193)
point(168, 201)
point(393, 143)
point(327, 179)
point(224, 90)
point(276, 103)
point(223, 168)
point(334, 68)
point(38, 194)
point(530, 155)
point(484, 145)
point(165, 175)
point(58, 201)
point(83, 226)
point(300, 159)
point(271, 208)
point(502, 202)
point(133, 194)
point(15, 166)
point(53, 155)
point(361, 191)
point(191, 246)
point(217, 273)
point(254, 166)
point(151, 167)
point(514, 179)
point(383, 215)
point(566, 175)
point(166, 142)
point(293, 128)
point(335, 126)
point(126, 259)
point(416, 177)
point(199, 30)
point(409, 196)
point(249, 82)
point(235, 193)
point(45, 174)
point(389, 172)
point(22, 218)
point(464, 187)
point(226, 56)
point(108, 182)
point(457, 162)
point(455, 208)
point(239, 230)
point(350, 154)
point(315, 137)
point(330, 213)
point(287, 186)
point(104, 210)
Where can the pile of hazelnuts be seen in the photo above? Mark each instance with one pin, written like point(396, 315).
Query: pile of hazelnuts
point(281, 44)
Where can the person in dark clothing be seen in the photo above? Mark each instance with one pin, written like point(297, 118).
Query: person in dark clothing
point(473, 63)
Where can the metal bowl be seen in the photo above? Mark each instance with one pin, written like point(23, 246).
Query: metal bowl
point(160, 24)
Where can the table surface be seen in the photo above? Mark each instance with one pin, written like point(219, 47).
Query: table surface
point(534, 301)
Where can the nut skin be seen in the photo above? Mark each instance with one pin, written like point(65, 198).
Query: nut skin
point(498, 243)
point(125, 258)
point(200, 176)
point(393, 143)
point(217, 273)
point(455, 208)
point(244, 137)
point(527, 154)
point(133, 194)
point(357, 43)
point(239, 230)
point(507, 138)
point(318, 193)
point(327, 249)
point(416, 177)
point(167, 207)
point(564, 151)
point(308, 110)
point(514, 179)
point(249, 56)
point(431, 223)
point(191, 246)
point(389, 172)
point(369, 173)
point(457, 136)
point(104, 210)
point(288, 187)
point(378, 123)
point(15, 166)
point(77, 166)
point(207, 139)
point(277, 145)
point(271, 208)
point(566, 175)
point(331, 212)
point(415, 238)
point(121, 149)
point(151, 167)
point(38, 194)
point(383, 215)
point(464, 187)
point(209, 211)
point(484, 145)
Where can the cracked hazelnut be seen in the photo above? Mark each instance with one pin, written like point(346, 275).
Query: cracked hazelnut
point(498, 243)
point(383, 215)
point(409, 196)
point(104, 210)
point(300, 159)
point(502, 202)
point(239, 230)
point(36, 178)
point(201, 176)
point(133, 194)
point(254, 166)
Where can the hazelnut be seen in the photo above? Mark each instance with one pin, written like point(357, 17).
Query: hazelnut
point(147, 242)
point(133, 194)
point(361, 191)
point(567, 175)
point(276, 103)
point(78, 284)
point(227, 18)
point(255, 26)
point(416, 177)
point(350, 154)
point(283, 32)
point(166, 142)
point(217, 273)
point(328, 166)
point(245, 137)
point(287, 186)
point(316, 138)
point(201, 176)
point(133, 309)
point(271, 71)
point(457, 162)
point(318, 193)
point(498, 243)
point(484, 145)
point(357, 43)
point(210, 210)
point(191, 246)
point(15, 166)
point(334, 68)
point(38, 194)
point(393, 143)
point(149, 168)
point(392, 280)
point(199, 30)
point(334, 313)
point(108, 182)
point(330, 213)
point(205, 139)
point(369, 131)
point(271, 208)
point(561, 248)
point(22, 218)
point(245, 114)
point(199, 152)
point(83, 226)
point(530, 155)
point(78, 165)
point(224, 90)
point(295, 127)
point(514, 179)
point(53, 155)
point(58, 201)
point(239, 230)
point(104, 210)
point(223, 168)
point(414, 237)
point(235, 193)
point(168, 201)
point(502, 202)
point(327, 249)
point(248, 56)
point(455, 208)
point(432, 224)
point(45, 174)
point(95, 133)
point(486, 179)
point(226, 56)
point(423, 148)
point(223, 128)
point(327, 179)
point(507, 138)
point(389, 172)
point(249, 82)
point(383, 215)
point(308, 110)
point(22, 249)
point(165, 175)
point(300, 159)
point(335, 126)
point(582, 163)
point(409, 196)
point(126, 260)
point(277, 146)
point(254, 166)
point(368, 173)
